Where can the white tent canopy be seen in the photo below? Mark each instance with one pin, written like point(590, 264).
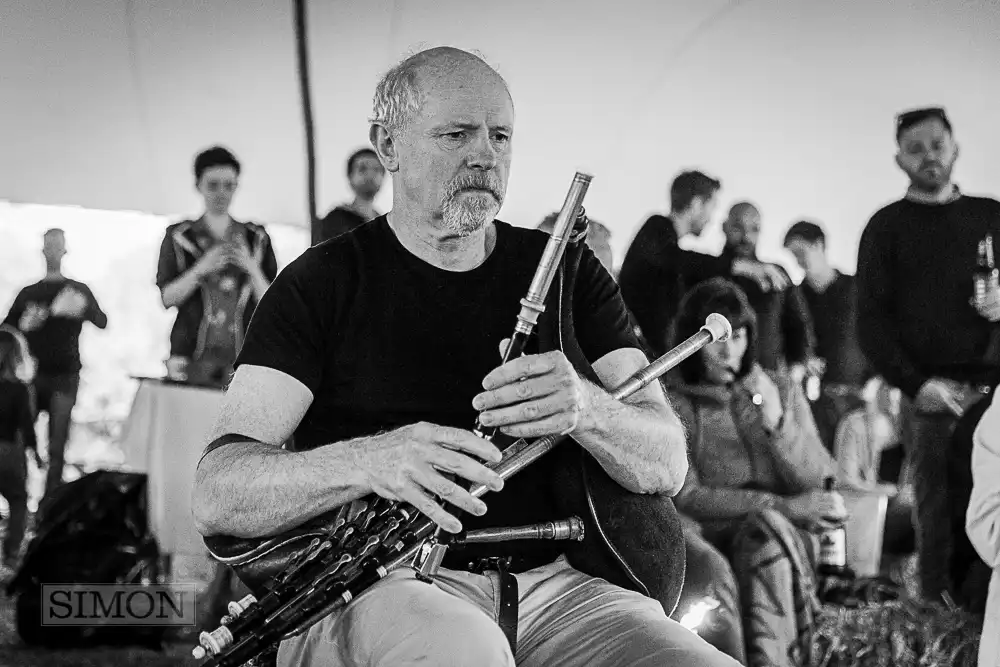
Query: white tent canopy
point(104, 103)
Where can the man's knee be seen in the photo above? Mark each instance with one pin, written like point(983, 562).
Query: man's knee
point(677, 646)
point(403, 621)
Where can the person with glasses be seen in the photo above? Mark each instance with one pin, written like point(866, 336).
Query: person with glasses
point(918, 322)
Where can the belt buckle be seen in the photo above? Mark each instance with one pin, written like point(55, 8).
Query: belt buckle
point(495, 563)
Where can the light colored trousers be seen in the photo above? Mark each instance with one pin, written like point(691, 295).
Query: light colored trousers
point(566, 618)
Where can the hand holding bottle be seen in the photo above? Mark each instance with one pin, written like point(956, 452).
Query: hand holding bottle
point(821, 509)
point(988, 304)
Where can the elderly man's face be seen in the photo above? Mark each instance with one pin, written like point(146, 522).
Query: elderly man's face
point(454, 156)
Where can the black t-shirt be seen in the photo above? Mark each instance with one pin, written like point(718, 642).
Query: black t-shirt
point(834, 314)
point(383, 339)
point(56, 343)
point(915, 269)
point(337, 222)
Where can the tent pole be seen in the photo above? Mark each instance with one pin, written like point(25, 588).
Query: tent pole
point(302, 60)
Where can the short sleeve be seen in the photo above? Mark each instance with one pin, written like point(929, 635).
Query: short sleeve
point(16, 311)
point(166, 264)
point(286, 333)
point(269, 265)
point(601, 319)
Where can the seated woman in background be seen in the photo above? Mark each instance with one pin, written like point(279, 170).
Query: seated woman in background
point(755, 482)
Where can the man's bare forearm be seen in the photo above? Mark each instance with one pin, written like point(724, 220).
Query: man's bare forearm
point(252, 489)
point(640, 445)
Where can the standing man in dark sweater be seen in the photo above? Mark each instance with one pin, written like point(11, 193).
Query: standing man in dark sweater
point(832, 299)
point(786, 341)
point(51, 314)
point(365, 175)
point(656, 272)
point(917, 322)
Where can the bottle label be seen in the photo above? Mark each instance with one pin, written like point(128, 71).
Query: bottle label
point(833, 549)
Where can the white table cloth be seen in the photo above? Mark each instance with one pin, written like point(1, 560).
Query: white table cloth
point(164, 436)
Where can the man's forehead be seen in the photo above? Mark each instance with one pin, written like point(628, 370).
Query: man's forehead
point(745, 216)
point(220, 172)
point(931, 128)
point(468, 108)
point(470, 90)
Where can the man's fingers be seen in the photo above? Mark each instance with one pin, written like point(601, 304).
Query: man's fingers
point(952, 405)
point(560, 424)
point(518, 392)
point(426, 506)
point(458, 439)
point(523, 367)
point(465, 467)
point(529, 411)
point(776, 277)
point(449, 491)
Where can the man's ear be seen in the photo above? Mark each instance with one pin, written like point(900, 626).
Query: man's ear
point(385, 147)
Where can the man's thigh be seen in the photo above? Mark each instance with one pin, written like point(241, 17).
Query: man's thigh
point(570, 619)
point(403, 621)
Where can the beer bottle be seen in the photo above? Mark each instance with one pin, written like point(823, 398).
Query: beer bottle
point(986, 274)
point(833, 545)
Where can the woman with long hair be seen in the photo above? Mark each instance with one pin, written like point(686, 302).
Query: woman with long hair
point(17, 433)
point(756, 478)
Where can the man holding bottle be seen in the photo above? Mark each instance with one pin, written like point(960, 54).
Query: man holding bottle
point(919, 323)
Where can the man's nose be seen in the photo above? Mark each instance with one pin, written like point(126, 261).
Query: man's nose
point(482, 153)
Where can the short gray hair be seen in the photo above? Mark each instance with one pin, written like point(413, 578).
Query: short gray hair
point(397, 97)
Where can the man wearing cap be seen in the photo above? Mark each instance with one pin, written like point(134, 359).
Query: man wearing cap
point(918, 322)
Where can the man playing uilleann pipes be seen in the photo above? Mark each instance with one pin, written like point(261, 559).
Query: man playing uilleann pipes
point(378, 350)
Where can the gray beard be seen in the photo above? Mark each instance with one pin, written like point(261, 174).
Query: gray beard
point(469, 215)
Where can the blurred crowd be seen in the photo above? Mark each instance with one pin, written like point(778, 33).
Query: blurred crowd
point(841, 386)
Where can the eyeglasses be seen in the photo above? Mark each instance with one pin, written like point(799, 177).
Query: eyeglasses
point(915, 115)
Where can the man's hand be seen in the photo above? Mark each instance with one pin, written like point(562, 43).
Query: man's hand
point(533, 396)
point(70, 302)
point(33, 317)
point(213, 261)
point(989, 307)
point(939, 396)
point(769, 277)
point(410, 464)
point(816, 509)
point(239, 255)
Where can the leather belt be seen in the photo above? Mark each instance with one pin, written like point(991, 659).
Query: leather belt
point(505, 585)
